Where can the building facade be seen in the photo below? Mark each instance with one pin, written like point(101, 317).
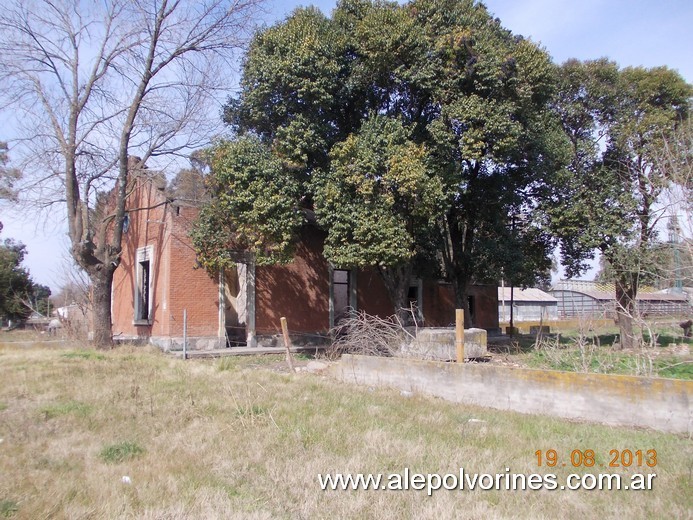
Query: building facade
point(160, 295)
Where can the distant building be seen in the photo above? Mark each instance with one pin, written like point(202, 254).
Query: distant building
point(527, 305)
point(36, 321)
point(580, 298)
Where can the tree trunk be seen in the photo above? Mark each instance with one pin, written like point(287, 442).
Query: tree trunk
point(397, 280)
point(625, 312)
point(461, 286)
point(102, 281)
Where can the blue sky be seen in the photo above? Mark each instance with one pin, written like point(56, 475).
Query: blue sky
point(632, 33)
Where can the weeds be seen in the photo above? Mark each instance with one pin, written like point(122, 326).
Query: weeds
point(248, 409)
point(116, 453)
point(67, 408)
point(582, 354)
point(8, 508)
point(586, 350)
point(227, 363)
point(84, 354)
point(675, 370)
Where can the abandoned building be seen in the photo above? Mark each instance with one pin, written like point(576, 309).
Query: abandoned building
point(158, 283)
point(579, 298)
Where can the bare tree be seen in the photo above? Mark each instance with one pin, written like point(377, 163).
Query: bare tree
point(93, 84)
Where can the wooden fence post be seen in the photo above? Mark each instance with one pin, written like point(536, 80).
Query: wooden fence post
point(459, 334)
point(287, 344)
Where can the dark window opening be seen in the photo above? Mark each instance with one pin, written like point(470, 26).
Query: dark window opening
point(413, 295)
point(340, 292)
point(143, 310)
point(414, 305)
point(471, 302)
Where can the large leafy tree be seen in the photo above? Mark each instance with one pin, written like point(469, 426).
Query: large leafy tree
point(447, 82)
point(617, 121)
point(379, 201)
point(497, 145)
point(253, 207)
point(295, 93)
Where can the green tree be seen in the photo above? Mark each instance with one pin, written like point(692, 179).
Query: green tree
point(497, 145)
point(18, 293)
point(294, 91)
point(253, 206)
point(378, 200)
point(617, 121)
point(465, 89)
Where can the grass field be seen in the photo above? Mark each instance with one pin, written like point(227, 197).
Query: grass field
point(132, 433)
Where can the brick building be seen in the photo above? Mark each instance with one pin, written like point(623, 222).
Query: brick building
point(158, 281)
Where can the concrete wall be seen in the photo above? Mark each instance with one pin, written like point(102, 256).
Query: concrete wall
point(660, 404)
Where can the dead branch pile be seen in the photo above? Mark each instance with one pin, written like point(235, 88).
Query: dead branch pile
point(361, 333)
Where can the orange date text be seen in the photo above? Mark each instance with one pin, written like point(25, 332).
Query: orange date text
point(588, 459)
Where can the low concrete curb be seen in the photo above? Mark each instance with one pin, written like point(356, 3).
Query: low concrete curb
point(659, 404)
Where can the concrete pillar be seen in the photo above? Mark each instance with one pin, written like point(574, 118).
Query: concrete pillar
point(221, 330)
point(330, 275)
point(353, 290)
point(250, 289)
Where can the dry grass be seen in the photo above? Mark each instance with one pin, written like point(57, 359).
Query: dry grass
point(213, 439)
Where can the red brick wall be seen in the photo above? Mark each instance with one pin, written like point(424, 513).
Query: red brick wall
point(176, 285)
point(439, 305)
point(144, 230)
point(298, 291)
point(190, 288)
point(486, 302)
point(373, 297)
